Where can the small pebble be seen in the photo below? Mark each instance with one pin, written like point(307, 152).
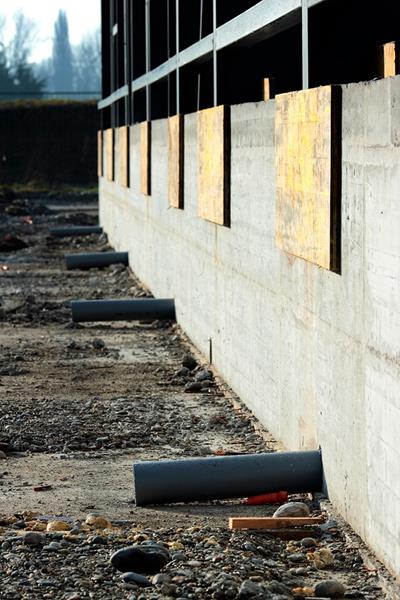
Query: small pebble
point(189, 362)
point(33, 539)
point(292, 509)
point(131, 577)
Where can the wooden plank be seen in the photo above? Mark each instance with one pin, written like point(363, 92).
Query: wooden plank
point(175, 161)
point(109, 133)
point(389, 59)
point(272, 522)
point(145, 158)
point(123, 155)
point(213, 130)
point(100, 153)
point(269, 89)
point(308, 175)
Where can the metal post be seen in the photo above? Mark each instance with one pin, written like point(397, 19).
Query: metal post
point(112, 60)
point(304, 37)
point(127, 74)
point(215, 79)
point(178, 102)
point(168, 57)
point(148, 91)
point(200, 36)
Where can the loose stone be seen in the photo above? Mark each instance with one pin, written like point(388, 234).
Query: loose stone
point(139, 559)
point(308, 542)
point(33, 539)
point(58, 526)
point(189, 362)
point(98, 522)
point(292, 509)
point(131, 577)
point(194, 386)
point(330, 589)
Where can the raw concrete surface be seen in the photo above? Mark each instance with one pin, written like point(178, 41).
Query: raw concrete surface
point(314, 354)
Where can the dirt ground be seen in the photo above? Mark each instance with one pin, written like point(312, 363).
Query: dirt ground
point(80, 403)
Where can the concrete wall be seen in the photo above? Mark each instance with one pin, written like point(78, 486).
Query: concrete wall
point(314, 354)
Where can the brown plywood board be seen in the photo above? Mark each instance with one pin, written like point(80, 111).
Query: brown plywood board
point(175, 161)
point(109, 138)
point(308, 164)
point(100, 153)
point(213, 131)
point(145, 158)
point(268, 89)
point(123, 142)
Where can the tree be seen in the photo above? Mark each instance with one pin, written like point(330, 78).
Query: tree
point(62, 55)
point(17, 76)
point(87, 63)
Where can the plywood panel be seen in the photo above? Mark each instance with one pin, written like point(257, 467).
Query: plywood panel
point(390, 59)
point(307, 143)
point(145, 158)
point(175, 161)
point(109, 133)
point(268, 89)
point(214, 164)
point(100, 153)
point(123, 156)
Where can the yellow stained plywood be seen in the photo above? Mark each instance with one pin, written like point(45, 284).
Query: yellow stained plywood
point(145, 158)
point(175, 161)
point(100, 153)
point(308, 142)
point(213, 131)
point(109, 138)
point(123, 143)
point(389, 56)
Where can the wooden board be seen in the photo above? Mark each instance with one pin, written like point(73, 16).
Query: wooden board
point(123, 155)
point(272, 522)
point(109, 133)
point(100, 153)
point(213, 130)
point(269, 89)
point(145, 158)
point(308, 174)
point(175, 161)
point(389, 63)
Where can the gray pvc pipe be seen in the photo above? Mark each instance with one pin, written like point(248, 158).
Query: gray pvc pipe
point(95, 259)
point(77, 230)
point(165, 481)
point(122, 310)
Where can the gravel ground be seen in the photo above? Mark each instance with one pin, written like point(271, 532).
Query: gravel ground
point(78, 404)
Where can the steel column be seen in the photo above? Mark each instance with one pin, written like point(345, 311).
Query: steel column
point(178, 91)
point(214, 41)
point(148, 62)
point(304, 40)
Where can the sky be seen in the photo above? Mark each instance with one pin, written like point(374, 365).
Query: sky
point(83, 17)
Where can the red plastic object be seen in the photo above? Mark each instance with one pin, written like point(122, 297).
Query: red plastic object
point(273, 498)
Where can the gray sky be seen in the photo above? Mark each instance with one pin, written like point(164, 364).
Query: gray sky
point(83, 17)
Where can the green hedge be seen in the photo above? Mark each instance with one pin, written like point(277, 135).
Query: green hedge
point(48, 143)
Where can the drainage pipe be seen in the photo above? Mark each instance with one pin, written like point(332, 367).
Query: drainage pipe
point(77, 230)
point(122, 310)
point(196, 479)
point(95, 259)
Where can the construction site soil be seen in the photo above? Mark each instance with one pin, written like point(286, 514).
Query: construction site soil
point(80, 403)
